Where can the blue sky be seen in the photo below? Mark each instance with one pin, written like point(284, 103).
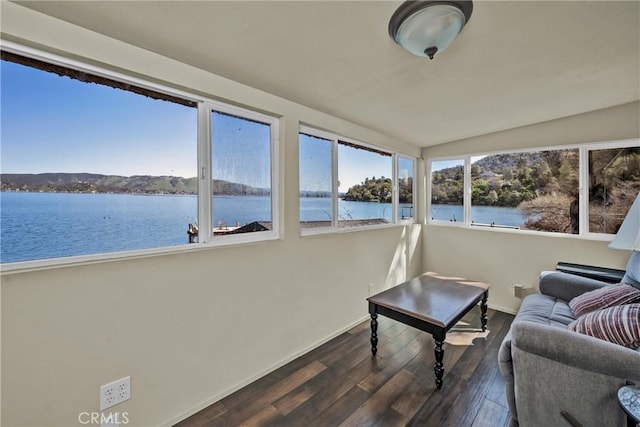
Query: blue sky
point(56, 124)
point(315, 163)
point(241, 150)
point(354, 165)
point(445, 164)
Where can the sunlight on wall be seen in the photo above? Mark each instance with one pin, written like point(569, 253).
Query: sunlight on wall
point(399, 270)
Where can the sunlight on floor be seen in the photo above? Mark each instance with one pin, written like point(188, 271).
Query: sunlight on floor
point(463, 334)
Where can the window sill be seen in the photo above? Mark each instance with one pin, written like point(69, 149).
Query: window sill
point(304, 232)
point(447, 223)
point(80, 260)
point(586, 236)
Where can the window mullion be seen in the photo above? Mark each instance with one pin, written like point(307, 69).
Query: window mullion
point(466, 185)
point(414, 193)
point(583, 191)
point(334, 182)
point(427, 217)
point(275, 178)
point(395, 196)
point(205, 197)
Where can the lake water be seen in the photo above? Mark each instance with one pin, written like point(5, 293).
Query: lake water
point(319, 209)
point(50, 225)
point(511, 217)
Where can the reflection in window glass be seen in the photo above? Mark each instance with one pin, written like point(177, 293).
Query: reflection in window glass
point(315, 182)
point(447, 190)
point(533, 190)
point(241, 171)
point(405, 188)
point(365, 190)
point(614, 182)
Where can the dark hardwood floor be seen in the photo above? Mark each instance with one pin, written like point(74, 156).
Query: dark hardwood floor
point(341, 384)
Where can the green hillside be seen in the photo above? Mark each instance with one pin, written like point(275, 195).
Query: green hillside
point(137, 184)
point(379, 190)
point(544, 186)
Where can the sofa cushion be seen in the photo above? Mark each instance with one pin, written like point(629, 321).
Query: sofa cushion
point(546, 310)
point(607, 296)
point(619, 324)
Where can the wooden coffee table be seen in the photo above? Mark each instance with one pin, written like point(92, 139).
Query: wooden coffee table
point(432, 303)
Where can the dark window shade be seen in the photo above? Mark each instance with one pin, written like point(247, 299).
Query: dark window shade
point(90, 78)
point(360, 147)
point(314, 136)
point(239, 117)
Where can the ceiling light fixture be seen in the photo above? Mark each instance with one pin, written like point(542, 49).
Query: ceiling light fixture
point(426, 28)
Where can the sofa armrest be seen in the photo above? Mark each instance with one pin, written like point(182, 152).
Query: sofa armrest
point(557, 371)
point(576, 350)
point(566, 286)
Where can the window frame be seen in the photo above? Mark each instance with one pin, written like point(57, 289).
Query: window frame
point(335, 140)
point(205, 106)
point(584, 183)
point(583, 187)
point(465, 204)
point(206, 169)
point(396, 187)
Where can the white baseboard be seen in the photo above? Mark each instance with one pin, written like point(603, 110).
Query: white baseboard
point(503, 309)
point(280, 364)
point(261, 374)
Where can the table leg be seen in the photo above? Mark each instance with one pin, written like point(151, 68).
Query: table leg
point(374, 333)
point(483, 310)
point(438, 366)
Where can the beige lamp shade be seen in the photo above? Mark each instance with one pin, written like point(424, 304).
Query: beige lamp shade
point(628, 236)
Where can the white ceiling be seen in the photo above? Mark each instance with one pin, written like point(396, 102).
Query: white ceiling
point(515, 63)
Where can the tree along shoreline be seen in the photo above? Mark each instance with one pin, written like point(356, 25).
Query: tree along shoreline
point(379, 190)
point(544, 186)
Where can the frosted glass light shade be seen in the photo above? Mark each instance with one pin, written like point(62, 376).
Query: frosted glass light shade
point(425, 28)
point(628, 235)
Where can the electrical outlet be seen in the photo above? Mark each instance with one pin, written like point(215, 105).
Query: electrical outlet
point(115, 392)
point(521, 291)
point(517, 291)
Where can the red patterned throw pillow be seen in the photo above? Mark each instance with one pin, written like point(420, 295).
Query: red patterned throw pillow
point(607, 296)
point(619, 325)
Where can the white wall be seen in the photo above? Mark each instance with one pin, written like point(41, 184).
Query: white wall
point(506, 258)
point(187, 327)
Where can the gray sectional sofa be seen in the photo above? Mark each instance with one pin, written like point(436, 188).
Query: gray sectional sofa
point(556, 377)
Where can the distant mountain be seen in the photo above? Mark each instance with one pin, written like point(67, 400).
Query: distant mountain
point(500, 162)
point(136, 184)
point(315, 193)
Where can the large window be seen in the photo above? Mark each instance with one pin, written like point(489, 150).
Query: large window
point(539, 190)
point(94, 163)
point(241, 168)
point(346, 184)
point(614, 181)
point(365, 189)
point(447, 190)
point(316, 188)
point(406, 172)
point(535, 190)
